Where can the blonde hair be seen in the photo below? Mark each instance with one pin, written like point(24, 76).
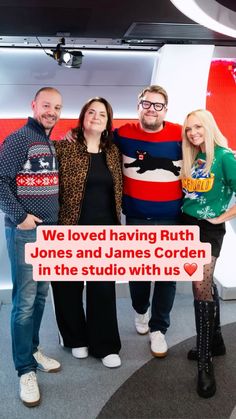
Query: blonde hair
point(213, 137)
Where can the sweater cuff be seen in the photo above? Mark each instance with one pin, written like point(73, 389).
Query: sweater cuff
point(20, 219)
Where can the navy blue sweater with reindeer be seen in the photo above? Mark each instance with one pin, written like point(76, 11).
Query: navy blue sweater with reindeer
point(28, 175)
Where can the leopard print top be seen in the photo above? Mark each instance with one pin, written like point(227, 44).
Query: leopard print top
point(74, 161)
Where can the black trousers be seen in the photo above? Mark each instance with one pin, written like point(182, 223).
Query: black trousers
point(99, 328)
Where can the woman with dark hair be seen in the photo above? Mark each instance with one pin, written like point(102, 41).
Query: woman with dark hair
point(90, 194)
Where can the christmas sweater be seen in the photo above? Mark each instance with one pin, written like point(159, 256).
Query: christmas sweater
point(28, 175)
point(151, 167)
point(208, 195)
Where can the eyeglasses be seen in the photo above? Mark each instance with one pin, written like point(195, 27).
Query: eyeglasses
point(157, 106)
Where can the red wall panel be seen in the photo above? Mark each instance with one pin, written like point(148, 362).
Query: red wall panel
point(221, 97)
point(9, 125)
point(221, 101)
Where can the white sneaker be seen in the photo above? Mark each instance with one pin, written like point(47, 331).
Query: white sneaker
point(159, 346)
point(81, 352)
point(45, 363)
point(111, 361)
point(141, 323)
point(29, 390)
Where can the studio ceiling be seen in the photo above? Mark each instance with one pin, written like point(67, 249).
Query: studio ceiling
point(102, 23)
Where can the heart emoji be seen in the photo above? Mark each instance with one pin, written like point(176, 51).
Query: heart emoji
point(190, 268)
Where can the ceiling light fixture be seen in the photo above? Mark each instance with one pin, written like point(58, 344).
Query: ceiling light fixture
point(210, 14)
point(66, 58)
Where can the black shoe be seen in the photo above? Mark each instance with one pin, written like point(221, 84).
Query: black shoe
point(205, 314)
point(218, 348)
point(206, 386)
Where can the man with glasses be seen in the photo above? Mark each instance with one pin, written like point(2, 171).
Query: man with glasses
point(152, 195)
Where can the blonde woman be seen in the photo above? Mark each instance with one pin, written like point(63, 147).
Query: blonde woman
point(208, 181)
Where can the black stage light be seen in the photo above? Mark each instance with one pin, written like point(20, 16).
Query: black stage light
point(71, 59)
point(66, 58)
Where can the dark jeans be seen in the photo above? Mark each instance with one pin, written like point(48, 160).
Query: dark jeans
point(163, 294)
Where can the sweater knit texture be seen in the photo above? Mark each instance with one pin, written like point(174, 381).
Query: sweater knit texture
point(28, 176)
point(151, 167)
point(208, 195)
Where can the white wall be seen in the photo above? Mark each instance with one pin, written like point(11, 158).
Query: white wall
point(184, 70)
point(118, 76)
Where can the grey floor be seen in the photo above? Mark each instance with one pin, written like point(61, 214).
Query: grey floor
point(83, 387)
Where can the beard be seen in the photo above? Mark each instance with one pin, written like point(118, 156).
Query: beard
point(48, 123)
point(151, 126)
